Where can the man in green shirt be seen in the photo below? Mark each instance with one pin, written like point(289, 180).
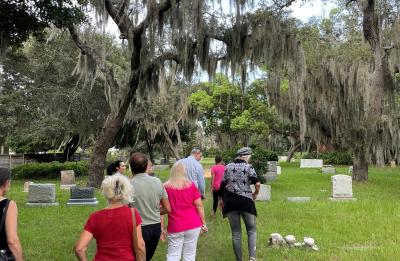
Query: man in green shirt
point(149, 195)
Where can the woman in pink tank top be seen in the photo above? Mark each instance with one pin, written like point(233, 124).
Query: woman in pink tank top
point(186, 219)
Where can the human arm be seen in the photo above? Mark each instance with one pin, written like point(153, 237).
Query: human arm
point(200, 180)
point(165, 206)
point(141, 255)
point(212, 180)
point(255, 181)
point(200, 209)
point(11, 224)
point(82, 245)
point(257, 189)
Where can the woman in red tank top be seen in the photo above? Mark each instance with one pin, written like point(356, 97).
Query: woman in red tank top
point(112, 227)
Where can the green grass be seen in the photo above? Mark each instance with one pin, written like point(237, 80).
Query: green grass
point(360, 230)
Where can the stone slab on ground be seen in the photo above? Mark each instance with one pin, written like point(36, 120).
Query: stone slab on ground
point(342, 186)
point(311, 163)
point(264, 194)
point(298, 199)
point(26, 185)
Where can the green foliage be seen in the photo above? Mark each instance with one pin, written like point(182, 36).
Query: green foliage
point(48, 170)
point(335, 157)
point(259, 159)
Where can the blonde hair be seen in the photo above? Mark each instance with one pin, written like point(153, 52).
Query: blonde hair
point(177, 178)
point(117, 188)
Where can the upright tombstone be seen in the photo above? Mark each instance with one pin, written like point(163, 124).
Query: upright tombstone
point(271, 171)
point(342, 188)
point(264, 194)
point(278, 170)
point(82, 197)
point(328, 169)
point(67, 179)
point(311, 163)
point(42, 195)
point(26, 185)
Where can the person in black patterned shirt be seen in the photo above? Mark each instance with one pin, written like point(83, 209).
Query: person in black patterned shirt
point(238, 201)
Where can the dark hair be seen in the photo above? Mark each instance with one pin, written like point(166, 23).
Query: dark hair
point(218, 159)
point(112, 168)
point(5, 175)
point(138, 162)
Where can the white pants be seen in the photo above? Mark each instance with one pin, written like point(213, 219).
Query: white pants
point(183, 243)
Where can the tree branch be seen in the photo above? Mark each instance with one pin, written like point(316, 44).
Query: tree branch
point(119, 16)
point(87, 50)
point(284, 5)
point(159, 9)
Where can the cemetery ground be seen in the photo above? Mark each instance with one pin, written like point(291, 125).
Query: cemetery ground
point(366, 229)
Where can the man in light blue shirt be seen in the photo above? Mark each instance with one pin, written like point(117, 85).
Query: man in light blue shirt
point(194, 170)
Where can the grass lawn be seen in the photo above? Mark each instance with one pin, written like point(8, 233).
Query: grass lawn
point(360, 230)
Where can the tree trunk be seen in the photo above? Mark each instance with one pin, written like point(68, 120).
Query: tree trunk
point(292, 150)
point(178, 136)
point(71, 147)
point(360, 166)
point(149, 144)
point(171, 145)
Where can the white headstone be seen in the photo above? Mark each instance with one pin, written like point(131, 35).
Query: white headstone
point(278, 170)
point(282, 158)
point(342, 187)
point(67, 179)
point(264, 194)
point(26, 185)
point(311, 163)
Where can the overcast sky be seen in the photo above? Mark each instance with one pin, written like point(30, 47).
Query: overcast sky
point(310, 9)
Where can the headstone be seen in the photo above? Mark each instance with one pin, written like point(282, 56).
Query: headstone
point(342, 187)
point(271, 171)
point(278, 170)
point(311, 163)
point(82, 197)
point(271, 165)
point(392, 163)
point(282, 158)
point(26, 185)
point(42, 195)
point(328, 169)
point(264, 194)
point(350, 170)
point(298, 199)
point(67, 179)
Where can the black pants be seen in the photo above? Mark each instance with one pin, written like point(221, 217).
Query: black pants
point(151, 236)
point(215, 200)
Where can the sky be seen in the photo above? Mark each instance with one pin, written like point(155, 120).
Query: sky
point(311, 8)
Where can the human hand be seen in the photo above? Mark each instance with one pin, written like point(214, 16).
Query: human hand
point(163, 235)
point(204, 228)
point(254, 196)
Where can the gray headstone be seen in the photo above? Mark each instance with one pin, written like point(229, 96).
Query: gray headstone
point(270, 176)
point(328, 169)
point(264, 194)
point(311, 163)
point(342, 187)
point(42, 195)
point(77, 193)
point(298, 199)
point(82, 197)
point(271, 166)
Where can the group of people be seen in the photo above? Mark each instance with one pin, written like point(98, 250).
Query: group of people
point(132, 224)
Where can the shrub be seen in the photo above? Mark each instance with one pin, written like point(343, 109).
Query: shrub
point(49, 170)
point(258, 159)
